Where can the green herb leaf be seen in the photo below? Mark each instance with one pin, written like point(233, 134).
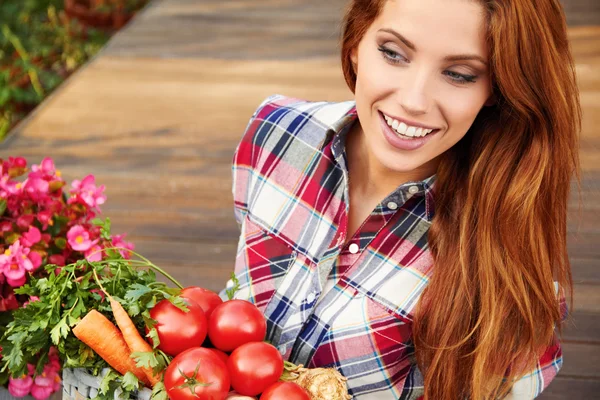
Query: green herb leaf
point(153, 335)
point(136, 291)
point(159, 392)
point(179, 302)
point(236, 286)
point(110, 377)
point(61, 330)
point(130, 381)
point(144, 359)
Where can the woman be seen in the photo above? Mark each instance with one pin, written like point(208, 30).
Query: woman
point(415, 238)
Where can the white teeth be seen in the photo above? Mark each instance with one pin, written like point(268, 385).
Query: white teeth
point(402, 128)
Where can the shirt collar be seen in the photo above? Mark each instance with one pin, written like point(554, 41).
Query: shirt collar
point(336, 135)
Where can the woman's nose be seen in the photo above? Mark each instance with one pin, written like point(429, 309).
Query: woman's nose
point(413, 96)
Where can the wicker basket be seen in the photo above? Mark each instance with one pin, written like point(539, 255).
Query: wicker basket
point(78, 384)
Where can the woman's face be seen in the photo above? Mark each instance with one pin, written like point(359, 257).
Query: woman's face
point(422, 64)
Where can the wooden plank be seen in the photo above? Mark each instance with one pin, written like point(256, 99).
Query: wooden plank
point(582, 12)
point(587, 298)
point(173, 31)
point(581, 360)
point(582, 326)
point(585, 270)
point(143, 106)
point(584, 245)
point(571, 388)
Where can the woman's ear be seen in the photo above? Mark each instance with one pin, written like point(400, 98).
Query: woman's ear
point(354, 59)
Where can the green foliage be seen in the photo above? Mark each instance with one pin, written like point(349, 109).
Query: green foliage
point(235, 288)
point(39, 48)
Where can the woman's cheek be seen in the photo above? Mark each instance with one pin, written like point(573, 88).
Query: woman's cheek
point(460, 110)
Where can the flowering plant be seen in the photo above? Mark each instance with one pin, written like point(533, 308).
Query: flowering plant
point(44, 223)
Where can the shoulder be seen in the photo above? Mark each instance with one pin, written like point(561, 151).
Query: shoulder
point(281, 118)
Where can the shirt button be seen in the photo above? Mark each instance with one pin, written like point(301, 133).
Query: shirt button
point(310, 298)
point(353, 248)
point(282, 349)
point(392, 206)
point(413, 189)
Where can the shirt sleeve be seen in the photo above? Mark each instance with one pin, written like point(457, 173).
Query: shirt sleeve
point(243, 171)
point(243, 166)
point(533, 383)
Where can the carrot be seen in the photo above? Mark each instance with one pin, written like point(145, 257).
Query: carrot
point(106, 340)
point(132, 337)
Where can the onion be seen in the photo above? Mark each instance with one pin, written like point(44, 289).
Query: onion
point(321, 383)
point(237, 396)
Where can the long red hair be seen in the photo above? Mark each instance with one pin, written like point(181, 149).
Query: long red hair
point(498, 238)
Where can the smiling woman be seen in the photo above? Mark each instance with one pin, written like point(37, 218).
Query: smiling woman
point(415, 238)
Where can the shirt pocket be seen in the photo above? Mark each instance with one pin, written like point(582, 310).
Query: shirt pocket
point(369, 344)
point(262, 261)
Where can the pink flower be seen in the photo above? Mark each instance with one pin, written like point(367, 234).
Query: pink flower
point(42, 392)
point(15, 262)
point(53, 359)
point(35, 258)
point(94, 253)
point(31, 300)
point(46, 169)
point(6, 226)
point(85, 191)
point(31, 237)
point(13, 272)
point(20, 387)
point(15, 166)
point(36, 188)
point(117, 241)
point(25, 221)
point(48, 381)
point(98, 292)
point(57, 259)
point(9, 187)
point(16, 282)
point(45, 218)
point(8, 301)
point(79, 238)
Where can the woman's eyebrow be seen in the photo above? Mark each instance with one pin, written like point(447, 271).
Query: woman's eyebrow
point(404, 40)
point(457, 57)
point(462, 57)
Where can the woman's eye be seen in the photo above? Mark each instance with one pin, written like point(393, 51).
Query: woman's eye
point(396, 58)
point(391, 55)
point(460, 78)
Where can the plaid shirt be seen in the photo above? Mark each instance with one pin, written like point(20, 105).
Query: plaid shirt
point(330, 304)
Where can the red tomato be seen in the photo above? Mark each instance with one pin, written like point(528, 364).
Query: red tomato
point(285, 391)
point(253, 367)
point(205, 298)
point(201, 373)
point(179, 330)
point(223, 356)
point(234, 323)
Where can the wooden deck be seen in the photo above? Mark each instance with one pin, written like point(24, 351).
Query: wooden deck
point(157, 114)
